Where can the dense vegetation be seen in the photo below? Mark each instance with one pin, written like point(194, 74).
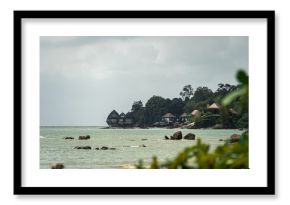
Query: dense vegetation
point(196, 99)
point(230, 155)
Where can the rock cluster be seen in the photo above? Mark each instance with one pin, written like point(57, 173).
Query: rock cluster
point(97, 148)
point(178, 136)
point(86, 137)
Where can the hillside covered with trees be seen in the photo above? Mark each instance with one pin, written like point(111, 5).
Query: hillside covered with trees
point(231, 115)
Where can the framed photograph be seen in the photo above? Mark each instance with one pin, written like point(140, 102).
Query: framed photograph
point(144, 102)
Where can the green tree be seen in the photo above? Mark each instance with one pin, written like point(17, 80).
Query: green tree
point(202, 94)
point(186, 92)
point(176, 106)
point(155, 107)
point(139, 113)
point(222, 91)
point(137, 105)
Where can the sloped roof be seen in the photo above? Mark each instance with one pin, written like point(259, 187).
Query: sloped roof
point(214, 106)
point(122, 115)
point(113, 115)
point(183, 115)
point(168, 115)
point(195, 112)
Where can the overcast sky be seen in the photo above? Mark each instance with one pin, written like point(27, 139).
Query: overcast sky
point(82, 79)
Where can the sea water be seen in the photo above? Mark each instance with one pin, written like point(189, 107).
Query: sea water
point(131, 145)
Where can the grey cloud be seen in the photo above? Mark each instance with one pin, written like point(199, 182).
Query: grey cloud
point(84, 78)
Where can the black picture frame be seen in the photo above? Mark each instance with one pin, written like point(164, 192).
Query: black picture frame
point(268, 190)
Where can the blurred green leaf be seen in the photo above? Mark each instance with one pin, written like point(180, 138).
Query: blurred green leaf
point(242, 77)
point(233, 95)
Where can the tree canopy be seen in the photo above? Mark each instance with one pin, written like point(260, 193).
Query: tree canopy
point(231, 115)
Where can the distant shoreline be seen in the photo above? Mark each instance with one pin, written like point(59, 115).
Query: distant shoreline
point(141, 128)
point(73, 126)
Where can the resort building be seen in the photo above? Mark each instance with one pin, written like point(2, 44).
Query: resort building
point(214, 108)
point(184, 117)
point(129, 120)
point(168, 117)
point(113, 119)
point(121, 121)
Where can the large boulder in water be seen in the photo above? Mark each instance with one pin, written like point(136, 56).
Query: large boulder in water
point(84, 137)
point(167, 138)
point(189, 136)
point(176, 136)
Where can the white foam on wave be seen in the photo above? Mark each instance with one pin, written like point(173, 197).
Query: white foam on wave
point(42, 137)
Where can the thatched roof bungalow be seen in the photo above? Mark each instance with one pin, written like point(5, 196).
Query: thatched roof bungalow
point(122, 119)
point(184, 117)
point(168, 117)
point(214, 106)
point(129, 119)
point(113, 118)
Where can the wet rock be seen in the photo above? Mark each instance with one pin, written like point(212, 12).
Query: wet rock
point(112, 148)
point(57, 166)
point(189, 136)
point(97, 148)
point(176, 136)
point(143, 145)
point(167, 138)
point(144, 139)
point(83, 147)
point(87, 137)
point(104, 148)
point(68, 138)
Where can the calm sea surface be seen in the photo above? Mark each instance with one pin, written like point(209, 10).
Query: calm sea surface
point(128, 144)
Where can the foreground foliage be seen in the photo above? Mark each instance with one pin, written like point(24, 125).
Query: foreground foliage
point(199, 156)
point(227, 156)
